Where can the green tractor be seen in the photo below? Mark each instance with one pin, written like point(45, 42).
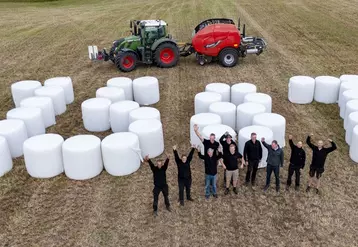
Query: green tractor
point(149, 43)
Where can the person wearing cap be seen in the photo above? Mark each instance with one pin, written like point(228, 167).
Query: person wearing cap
point(231, 167)
point(211, 143)
point(226, 141)
point(252, 157)
point(297, 163)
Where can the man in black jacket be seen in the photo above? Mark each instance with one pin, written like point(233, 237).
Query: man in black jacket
point(297, 162)
point(252, 156)
point(226, 141)
point(184, 174)
point(211, 143)
point(319, 155)
point(160, 182)
point(231, 167)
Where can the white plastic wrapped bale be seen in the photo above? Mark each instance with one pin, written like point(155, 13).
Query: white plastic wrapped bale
point(202, 120)
point(43, 155)
point(221, 88)
point(114, 94)
point(23, 89)
point(203, 100)
point(14, 130)
point(227, 112)
point(121, 153)
point(239, 91)
point(144, 112)
point(119, 115)
point(260, 98)
point(351, 106)
point(301, 89)
point(346, 85)
point(66, 84)
point(353, 149)
point(352, 122)
point(245, 113)
point(347, 96)
point(82, 157)
point(275, 122)
point(348, 77)
point(326, 89)
point(32, 118)
point(261, 131)
point(46, 106)
point(95, 114)
point(146, 90)
point(57, 94)
point(218, 130)
point(5, 157)
point(124, 83)
point(150, 133)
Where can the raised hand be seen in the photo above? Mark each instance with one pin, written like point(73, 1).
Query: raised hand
point(198, 148)
point(311, 134)
point(290, 137)
point(146, 158)
point(193, 146)
point(263, 139)
point(196, 127)
point(175, 147)
point(330, 140)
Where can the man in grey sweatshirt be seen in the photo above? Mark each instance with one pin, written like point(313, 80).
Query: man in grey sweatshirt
point(274, 162)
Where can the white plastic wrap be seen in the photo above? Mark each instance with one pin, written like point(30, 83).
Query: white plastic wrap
point(146, 90)
point(351, 106)
point(14, 130)
point(119, 115)
point(353, 149)
point(260, 98)
point(261, 131)
point(95, 114)
point(239, 91)
point(327, 89)
point(82, 157)
point(218, 130)
point(43, 155)
point(352, 122)
point(346, 85)
point(275, 122)
point(23, 89)
point(65, 83)
point(46, 106)
point(301, 89)
point(121, 153)
point(144, 112)
point(344, 78)
point(5, 157)
point(245, 113)
point(57, 94)
point(124, 83)
point(227, 112)
point(221, 88)
point(32, 118)
point(150, 134)
point(347, 96)
point(203, 100)
point(114, 94)
point(202, 120)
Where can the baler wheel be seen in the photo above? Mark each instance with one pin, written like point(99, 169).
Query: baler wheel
point(229, 57)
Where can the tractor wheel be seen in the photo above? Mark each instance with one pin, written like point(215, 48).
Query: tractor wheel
point(229, 57)
point(126, 61)
point(166, 55)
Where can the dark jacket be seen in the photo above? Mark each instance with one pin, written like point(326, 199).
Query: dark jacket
point(184, 171)
point(274, 157)
point(298, 156)
point(211, 163)
point(207, 144)
point(252, 151)
point(231, 161)
point(159, 175)
point(226, 146)
point(319, 156)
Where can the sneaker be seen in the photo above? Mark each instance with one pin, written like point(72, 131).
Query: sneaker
point(226, 191)
point(190, 199)
point(155, 213)
point(266, 188)
point(235, 191)
point(308, 188)
point(207, 197)
point(253, 184)
point(247, 183)
point(297, 187)
point(169, 209)
point(216, 196)
point(318, 192)
point(181, 203)
point(278, 190)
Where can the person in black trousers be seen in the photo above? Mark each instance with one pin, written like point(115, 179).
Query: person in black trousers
point(297, 162)
point(160, 182)
point(226, 141)
point(252, 157)
point(319, 155)
point(184, 173)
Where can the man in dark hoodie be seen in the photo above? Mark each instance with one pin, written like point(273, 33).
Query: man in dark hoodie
point(297, 162)
point(274, 162)
point(319, 155)
point(184, 174)
point(160, 182)
point(252, 157)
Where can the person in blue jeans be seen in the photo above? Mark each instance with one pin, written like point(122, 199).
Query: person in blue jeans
point(274, 162)
point(211, 170)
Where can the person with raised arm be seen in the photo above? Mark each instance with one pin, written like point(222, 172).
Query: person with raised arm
point(251, 158)
point(297, 163)
point(319, 155)
point(211, 143)
point(184, 173)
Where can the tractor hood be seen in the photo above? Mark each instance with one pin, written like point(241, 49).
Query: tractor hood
point(130, 42)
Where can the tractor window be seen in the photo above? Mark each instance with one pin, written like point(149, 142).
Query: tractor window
point(151, 34)
point(161, 31)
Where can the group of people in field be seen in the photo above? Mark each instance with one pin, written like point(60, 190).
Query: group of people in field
point(228, 156)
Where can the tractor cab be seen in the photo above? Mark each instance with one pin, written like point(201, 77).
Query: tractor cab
point(149, 31)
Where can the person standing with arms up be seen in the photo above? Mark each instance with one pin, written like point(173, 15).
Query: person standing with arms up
point(252, 157)
point(184, 174)
point(231, 167)
point(319, 155)
point(160, 182)
point(211, 143)
point(297, 163)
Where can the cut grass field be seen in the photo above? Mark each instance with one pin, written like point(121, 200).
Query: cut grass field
point(43, 40)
